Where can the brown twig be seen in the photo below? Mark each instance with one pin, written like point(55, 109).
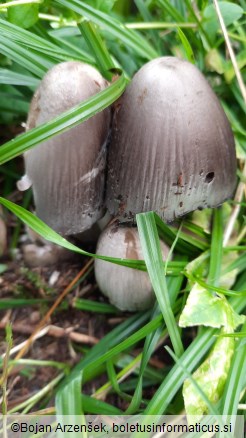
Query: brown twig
point(56, 332)
point(53, 307)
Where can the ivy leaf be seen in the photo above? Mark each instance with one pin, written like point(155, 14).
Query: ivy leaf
point(210, 376)
point(203, 307)
point(24, 16)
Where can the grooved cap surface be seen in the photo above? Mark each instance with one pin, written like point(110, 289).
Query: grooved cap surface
point(172, 148)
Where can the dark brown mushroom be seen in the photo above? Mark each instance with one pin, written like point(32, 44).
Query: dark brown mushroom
point(67, 172)
point(172, 148)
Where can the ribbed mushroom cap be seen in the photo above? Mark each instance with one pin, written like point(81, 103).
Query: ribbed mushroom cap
point(172, 148)
point(67, 171)
point(128, 289)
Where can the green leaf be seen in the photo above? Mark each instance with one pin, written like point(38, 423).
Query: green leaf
point(210, 376)
point(205, 308)
point(24, 15)
point(63, 122)
point(214, 61)
point(230, 12)
point(191, 358)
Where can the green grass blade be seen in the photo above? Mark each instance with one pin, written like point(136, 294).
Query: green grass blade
point(13, 104)
point(98, 407)
point(115, 27)
point(235, 381)
point(20, 302)
point(93, 306)
point(171, 10)
point(186, 244)
point(187, 47)
point(97, 47)
point(47, 233)
point(216, 248)
point(63, 122)
point(149, 345)
point(31, 42)
point(36, 64)
point(153, 258)
point(13, 78)
point(61, 38)
point(68, 400)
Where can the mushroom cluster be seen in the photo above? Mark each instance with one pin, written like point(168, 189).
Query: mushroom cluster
point(171, 151)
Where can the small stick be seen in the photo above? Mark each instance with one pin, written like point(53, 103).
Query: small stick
point(51, 310)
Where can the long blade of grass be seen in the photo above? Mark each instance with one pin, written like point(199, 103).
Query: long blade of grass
point(171, 10)
point(63, 122)
point(98, 407)
point(13, 104)
point(20, 302)
point(187, 47)
point(14, 78)
point(150, 343)
point(235, 381)
point(33, 62)
point(68, 400)
point(61, 38)
point(97, 47)
point(47, 233)
point(153, 258)
point(186, 244)
point(27, 40)
point(216, 248)
point(115, 27)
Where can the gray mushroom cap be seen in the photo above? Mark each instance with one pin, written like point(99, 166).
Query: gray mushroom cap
point(67, 171)
point(127, 288)
point(172, 148)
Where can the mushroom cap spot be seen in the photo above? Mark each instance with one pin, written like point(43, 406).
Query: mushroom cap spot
point(171, 140)
point(67, 171)
point(127, 288)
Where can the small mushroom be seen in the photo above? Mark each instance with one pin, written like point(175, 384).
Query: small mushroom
point(127, 288)
point(67, 172)
point(172, 148)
